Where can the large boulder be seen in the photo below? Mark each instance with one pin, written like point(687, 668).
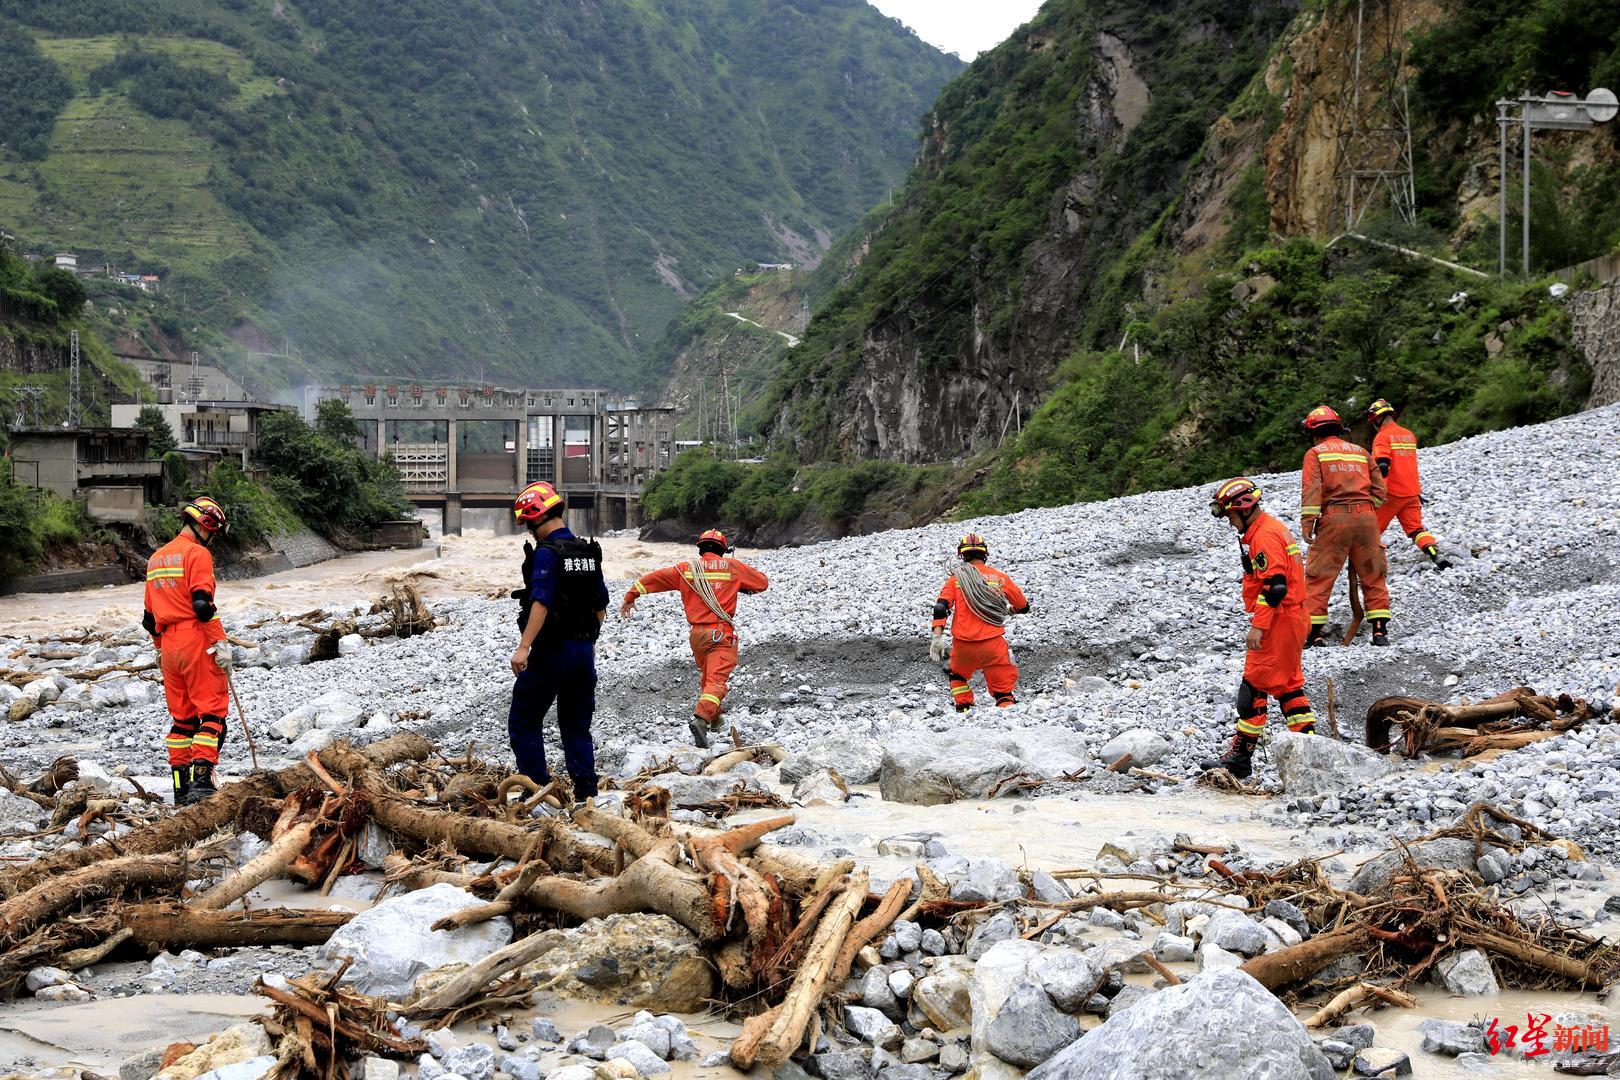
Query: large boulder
point(945, 994)
point(394, 942)
point(1218, 1023)
point(933, 770)
point(1467, 974)
point(1028, 1028)
point(639, 960)
point(1318, 765)
point(999, 972)
point(689, 791)
point(857, 758)
point(1143, 746)
point(1446, 853)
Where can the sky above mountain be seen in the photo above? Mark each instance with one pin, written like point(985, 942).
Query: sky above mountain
point(964, 27)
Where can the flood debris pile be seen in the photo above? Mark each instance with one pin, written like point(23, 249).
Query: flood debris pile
point(492, 893)
point(1508, 721)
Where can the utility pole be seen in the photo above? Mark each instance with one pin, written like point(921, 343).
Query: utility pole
point(73, 409)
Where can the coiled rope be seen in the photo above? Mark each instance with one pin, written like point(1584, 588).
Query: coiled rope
point(987, 602)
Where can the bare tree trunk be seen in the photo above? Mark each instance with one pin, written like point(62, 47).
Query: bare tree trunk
point(787, 1030)
point(168, 926)
point(1278, 969)
point(108, 878)
point(651, 883)
point(194, 823)
point(270, 862)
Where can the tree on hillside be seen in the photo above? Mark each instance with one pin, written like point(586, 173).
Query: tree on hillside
point(159, 435)
point(65, 288)
point(335, 420)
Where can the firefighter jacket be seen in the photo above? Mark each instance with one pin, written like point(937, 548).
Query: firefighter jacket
point(965, 622)
point(565, 575)
point(1395, 452)
point(1337, 472)
point(727, 578)
point(174, 574)
point(1273, 570)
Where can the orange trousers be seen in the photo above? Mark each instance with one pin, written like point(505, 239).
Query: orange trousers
point(1409, 508)
point(1346, 532)
point(714, 649)
point(1276, 670)
point(197, 693)
point(990, 656)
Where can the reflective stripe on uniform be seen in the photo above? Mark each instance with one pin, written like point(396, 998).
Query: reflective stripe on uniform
point(1403, 446)
point(640, 588)
point(1310, 511)
point(710, 698)
point(1378, 613)
point(1318, 620)
point(167, 571)
point(205, 740)
point(960, 690)
point(1249, 728)
point(1293, 549)
point(1362, 458)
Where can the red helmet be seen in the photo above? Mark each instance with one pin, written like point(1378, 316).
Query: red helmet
point(205, 514)
point(1322, 417)
point(716, 540)
point(1238, 494)
point(1380, 408)
point(973, 544)
point(534, 502)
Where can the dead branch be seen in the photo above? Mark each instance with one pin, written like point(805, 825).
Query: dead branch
point(866, 931)
point(1353, 998)
point(1298, 962)
point(786, 1031)
point(171, 926)
point(269, 863)
point(192, 824)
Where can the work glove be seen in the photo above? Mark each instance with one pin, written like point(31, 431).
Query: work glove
point(936, 649)
point(222, 656)
point(1307, 529)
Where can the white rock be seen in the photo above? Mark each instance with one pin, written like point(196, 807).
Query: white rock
point(1221, 1023)
point(394, 942)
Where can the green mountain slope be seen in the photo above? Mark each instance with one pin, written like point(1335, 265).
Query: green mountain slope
point(1118, 264)
point(510, 188)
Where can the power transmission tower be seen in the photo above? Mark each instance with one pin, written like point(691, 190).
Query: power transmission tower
point(26, 395)
point(1374, 164)
point(73, 408)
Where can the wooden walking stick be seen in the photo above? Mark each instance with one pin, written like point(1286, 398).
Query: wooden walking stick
point(253, 751)
point(1357, 609)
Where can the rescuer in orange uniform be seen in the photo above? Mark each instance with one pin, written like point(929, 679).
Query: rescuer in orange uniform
point(977, 599)
point(1340, 492)
point(1394, 451)
point(1274, 594)
point(194, 657)
point(709, 587)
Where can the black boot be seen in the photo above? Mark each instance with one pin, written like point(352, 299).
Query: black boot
point(1317, 636)
point(700, 732)
point(182, 784)
point(1439, 560)
point(1238, 759)
point(202, 781)
point(1380, 631)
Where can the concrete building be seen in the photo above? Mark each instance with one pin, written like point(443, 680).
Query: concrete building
point(459, 445)
point(216, 427)
point(106, 468)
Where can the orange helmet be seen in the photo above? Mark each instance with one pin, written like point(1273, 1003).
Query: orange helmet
point(1322, 417)
point(1380, 408)
point(1238, 494)
point(205, 514)
point(972, 544)
point(714, 541)
point(535, 502)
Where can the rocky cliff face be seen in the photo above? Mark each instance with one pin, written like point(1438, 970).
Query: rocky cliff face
point(954, 369)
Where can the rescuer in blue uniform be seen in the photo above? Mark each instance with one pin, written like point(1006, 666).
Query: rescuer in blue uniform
point(560, 615)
